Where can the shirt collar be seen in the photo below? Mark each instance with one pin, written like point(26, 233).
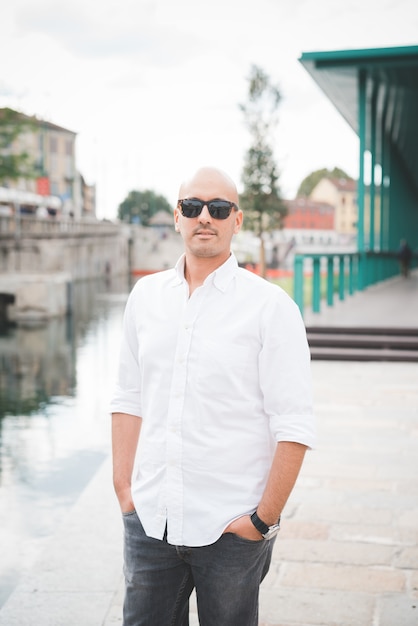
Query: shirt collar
point(224, 274)
point(179, 271)
point(221, 277)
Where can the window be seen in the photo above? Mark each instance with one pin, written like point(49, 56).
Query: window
point(53, 163)
point(69, 171)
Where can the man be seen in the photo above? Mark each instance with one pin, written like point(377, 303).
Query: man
point(211, 420)
point(404, 256)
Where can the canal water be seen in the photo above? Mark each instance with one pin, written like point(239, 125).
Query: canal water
point(55, 385)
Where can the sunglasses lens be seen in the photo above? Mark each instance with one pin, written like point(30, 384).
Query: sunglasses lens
point(220, 209)
point(191, 208)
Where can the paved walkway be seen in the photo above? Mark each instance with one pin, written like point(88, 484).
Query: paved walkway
point(347, 554)
point(391, 303)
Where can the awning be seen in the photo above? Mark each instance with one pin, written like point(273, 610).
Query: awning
point(27, 198)
point(390, 76)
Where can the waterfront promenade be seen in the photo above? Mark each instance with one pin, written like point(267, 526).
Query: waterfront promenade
point(347, 554)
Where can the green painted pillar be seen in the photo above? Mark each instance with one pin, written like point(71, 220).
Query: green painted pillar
point(341, 277)
point(330, 281)
point(362, 137)
point(316, 285)
point(373, 165)
point(298, 281)
point(383, 164)
point(351, 286)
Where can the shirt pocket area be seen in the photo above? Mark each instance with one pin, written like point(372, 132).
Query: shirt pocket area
point(225, 368)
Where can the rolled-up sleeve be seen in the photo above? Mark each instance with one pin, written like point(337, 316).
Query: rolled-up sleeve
point(127, 393)
point(285, 374)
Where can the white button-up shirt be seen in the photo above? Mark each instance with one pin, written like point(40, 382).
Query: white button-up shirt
point(218, 378)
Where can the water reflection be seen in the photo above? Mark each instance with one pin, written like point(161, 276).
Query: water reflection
point(55, 382)
point(36, 364)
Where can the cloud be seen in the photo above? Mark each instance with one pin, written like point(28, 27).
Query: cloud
point(98, 30)
point(8, 91)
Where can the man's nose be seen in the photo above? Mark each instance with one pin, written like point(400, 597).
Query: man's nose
point(205, 216)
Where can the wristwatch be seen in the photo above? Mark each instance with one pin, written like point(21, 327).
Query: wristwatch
point(268, 532)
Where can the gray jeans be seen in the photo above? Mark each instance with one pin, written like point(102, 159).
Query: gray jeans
point(160, 578)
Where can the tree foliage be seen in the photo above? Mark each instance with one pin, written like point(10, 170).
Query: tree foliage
point(14, 165)
point(310, 181)
point(139, 207)
point(261, 200)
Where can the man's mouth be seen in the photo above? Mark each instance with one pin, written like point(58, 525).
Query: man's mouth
point(205, 233)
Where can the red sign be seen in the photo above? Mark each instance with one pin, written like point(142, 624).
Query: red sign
point(42, 186)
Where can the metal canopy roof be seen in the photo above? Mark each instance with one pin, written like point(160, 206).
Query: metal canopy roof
point(391, 76)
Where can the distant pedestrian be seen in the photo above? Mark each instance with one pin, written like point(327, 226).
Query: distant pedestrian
point(404, 256)
point(212, 417)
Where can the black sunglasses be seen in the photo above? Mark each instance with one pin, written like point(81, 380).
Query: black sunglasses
point(218, 209)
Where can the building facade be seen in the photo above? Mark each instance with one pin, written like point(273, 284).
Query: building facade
point(304, 213)
point(51, 150)
point(342, 195)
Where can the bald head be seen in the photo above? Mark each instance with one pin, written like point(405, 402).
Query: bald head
point(208, 183)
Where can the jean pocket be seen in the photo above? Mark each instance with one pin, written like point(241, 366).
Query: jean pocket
point(128, 513)
point(240, 539)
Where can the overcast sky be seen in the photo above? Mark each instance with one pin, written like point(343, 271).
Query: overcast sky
point(152, 87)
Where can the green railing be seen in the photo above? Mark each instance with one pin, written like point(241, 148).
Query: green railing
point(340, 274)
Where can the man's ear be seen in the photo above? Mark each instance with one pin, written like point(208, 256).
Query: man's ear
point(239, 218)
point(176, 220)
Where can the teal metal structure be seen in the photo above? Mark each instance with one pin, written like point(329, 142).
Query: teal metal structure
point(376, 91)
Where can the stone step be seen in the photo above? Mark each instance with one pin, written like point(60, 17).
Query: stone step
point(407, 342)
point(359, 354)
point(363, 344)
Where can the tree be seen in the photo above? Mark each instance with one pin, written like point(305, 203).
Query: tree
point(13, 164)
point(261, 200)
point(139, 206)
point(310, 181)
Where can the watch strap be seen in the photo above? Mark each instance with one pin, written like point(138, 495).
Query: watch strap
point(259, 524)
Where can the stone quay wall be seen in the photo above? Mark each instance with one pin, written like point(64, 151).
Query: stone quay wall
point(41, 258)
point(81, 249)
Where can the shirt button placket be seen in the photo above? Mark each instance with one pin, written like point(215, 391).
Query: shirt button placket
point(174, 427)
